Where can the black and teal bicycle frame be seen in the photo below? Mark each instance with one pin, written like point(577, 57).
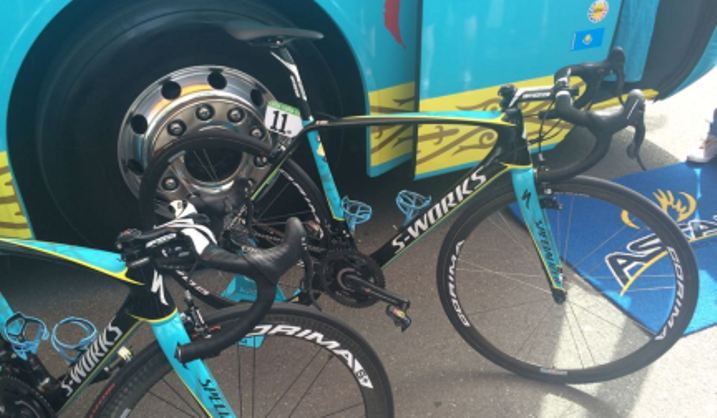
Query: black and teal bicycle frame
point(509, 156)
point(147, 302)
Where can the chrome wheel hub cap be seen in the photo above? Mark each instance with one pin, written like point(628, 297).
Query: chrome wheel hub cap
point(188, 102)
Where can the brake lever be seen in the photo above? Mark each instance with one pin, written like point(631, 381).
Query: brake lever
point(633, 150)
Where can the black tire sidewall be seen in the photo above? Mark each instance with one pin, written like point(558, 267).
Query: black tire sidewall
point(618, 195)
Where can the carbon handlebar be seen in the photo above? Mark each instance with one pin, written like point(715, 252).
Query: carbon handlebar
point(594, 73)
point(265, 267)
point(603, 124)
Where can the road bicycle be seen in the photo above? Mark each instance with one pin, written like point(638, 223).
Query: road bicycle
point(522, 275)
point(289, 361)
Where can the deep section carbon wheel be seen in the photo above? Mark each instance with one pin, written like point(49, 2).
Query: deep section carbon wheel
point(297, 362)
point(630, 277)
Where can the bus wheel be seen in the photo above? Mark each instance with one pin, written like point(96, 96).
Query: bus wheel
point(132, 78)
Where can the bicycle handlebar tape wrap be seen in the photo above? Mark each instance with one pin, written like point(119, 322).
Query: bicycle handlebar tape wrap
point(265, 267)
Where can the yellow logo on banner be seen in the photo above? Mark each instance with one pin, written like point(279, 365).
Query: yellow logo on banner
point(679, 209)
point(598, 11)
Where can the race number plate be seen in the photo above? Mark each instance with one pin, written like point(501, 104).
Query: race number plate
point(283, 119)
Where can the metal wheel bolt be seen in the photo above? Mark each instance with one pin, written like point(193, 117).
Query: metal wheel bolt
point(176, 127)
point(235, 115)
point(256, 132)
point(260, 161)
point(205, 112)
point(170, 183)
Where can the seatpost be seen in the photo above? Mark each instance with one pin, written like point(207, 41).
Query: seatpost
point(283, 55)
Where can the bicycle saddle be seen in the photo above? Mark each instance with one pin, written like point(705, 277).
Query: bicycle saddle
point(270, 36)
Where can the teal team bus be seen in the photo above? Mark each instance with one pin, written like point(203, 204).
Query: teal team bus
point(90, 88)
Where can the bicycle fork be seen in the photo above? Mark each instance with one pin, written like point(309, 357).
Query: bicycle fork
point(538, 224)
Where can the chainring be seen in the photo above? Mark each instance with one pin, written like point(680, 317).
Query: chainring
point(334, 268)
point(19, 400)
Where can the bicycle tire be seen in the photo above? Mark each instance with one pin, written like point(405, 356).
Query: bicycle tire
point(129, 391)
point(210, 285)
point(492, 332)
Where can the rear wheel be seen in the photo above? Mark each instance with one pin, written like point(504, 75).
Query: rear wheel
point(219, 169)
point(630, 277)
point(298, 363)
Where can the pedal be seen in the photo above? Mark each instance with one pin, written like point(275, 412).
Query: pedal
point(24, 333)
point(399, 316)
point(411, 203)
point(355, 212)
point(64, 348)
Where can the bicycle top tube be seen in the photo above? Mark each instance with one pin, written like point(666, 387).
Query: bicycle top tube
point(488, 119)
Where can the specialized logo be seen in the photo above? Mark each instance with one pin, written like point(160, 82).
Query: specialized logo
point(452, 286)
point(158, 287)
point(215, 397)
point(320, 339)
point(549, 256)
point(97, 351)
point(429, 218)
point(598, 11)
point(526, 198)
point(679, 207)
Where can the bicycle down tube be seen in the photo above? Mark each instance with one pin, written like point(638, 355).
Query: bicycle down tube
point(146, 302)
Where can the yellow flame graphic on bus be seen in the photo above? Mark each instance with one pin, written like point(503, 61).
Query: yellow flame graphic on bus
point(678, 208)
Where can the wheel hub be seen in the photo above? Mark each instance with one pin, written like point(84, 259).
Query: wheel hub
point(190, 101)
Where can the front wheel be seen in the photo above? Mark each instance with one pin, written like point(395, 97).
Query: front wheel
point(297, 363)
point(630, 277)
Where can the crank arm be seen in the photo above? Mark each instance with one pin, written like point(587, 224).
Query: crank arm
point(370, 289)
point(397, 305)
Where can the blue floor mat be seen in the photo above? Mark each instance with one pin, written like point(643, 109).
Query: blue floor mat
point(609, 247)
point(689, 194)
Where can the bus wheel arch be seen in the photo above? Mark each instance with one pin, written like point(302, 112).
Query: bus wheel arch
point(80, 100)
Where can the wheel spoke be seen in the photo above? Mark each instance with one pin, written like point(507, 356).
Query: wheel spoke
point(487, 270)
point(570, 223)
point(275, 197)
point(311, 385)
point(543, 316)
point(293, 382)
point(505, 284)
point(483, 311)
point(178, 395)
point(342, 410)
